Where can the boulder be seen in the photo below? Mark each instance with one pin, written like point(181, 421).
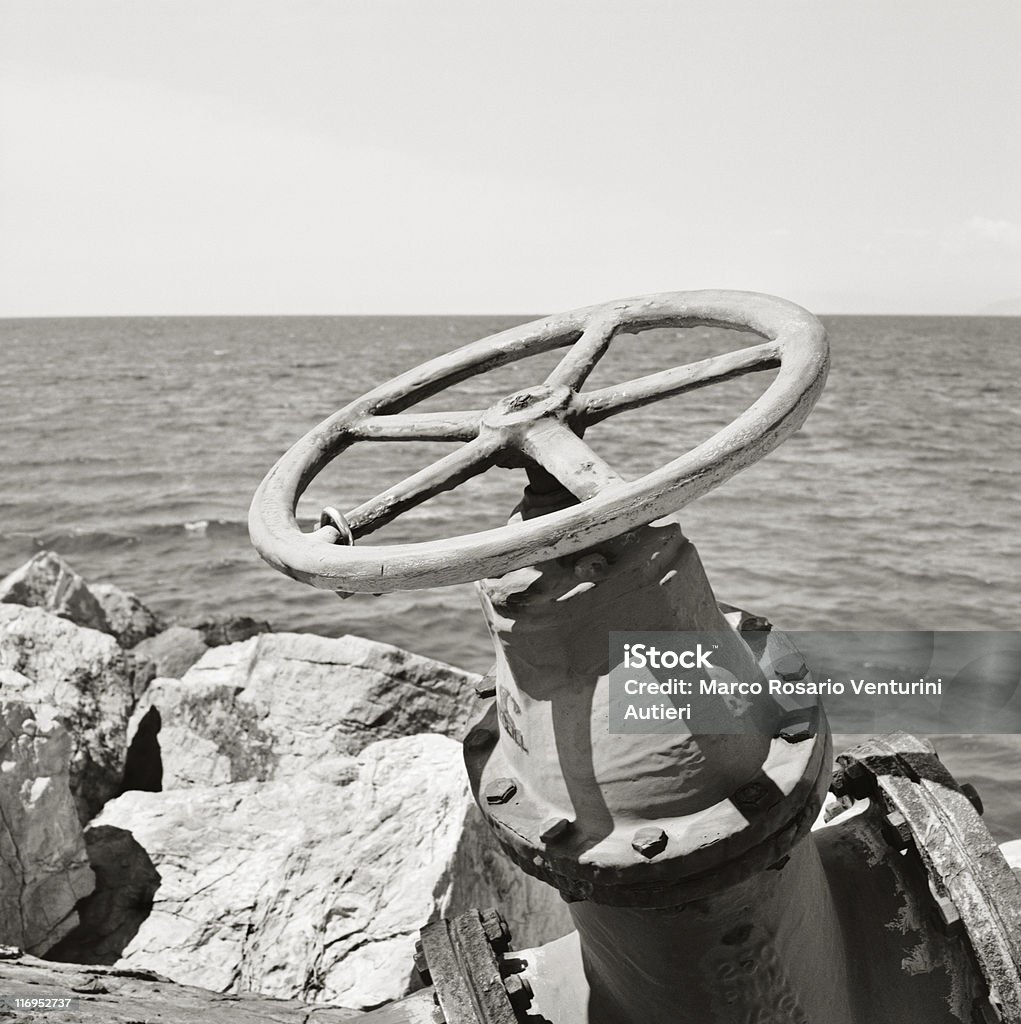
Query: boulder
point(172, 652)
point(44, 869)
point(287, 704)
point(128, 619)
point(315, 887)
point(47, 581)
point(87, 678)
point(231, 630)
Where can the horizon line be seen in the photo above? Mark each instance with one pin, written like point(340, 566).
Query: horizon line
point(4, 317)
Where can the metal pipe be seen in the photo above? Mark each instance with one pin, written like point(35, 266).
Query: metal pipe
point(662, 842)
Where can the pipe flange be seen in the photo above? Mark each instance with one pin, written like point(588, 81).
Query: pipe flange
point(660, 862)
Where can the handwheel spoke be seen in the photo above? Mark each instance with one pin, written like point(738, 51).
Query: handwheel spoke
point(564, 455)
point(597, 405)
point(453, 469)
point(422, 426)
point(582, 356)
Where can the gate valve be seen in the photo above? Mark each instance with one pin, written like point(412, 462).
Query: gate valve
point(541, 424)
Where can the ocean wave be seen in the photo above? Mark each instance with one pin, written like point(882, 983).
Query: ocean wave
point(84, 539)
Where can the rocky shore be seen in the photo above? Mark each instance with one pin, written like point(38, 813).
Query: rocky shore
point(241, 811)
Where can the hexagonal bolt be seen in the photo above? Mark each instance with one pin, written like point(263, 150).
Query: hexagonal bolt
point(797, 731)
point(974, 799)
point(649, 842)
point(486, 687)
point(592, 566)
point(479, 739)
point(755, 624)
point(554, 829)
point(791, 669)
point(495, 927)
point(897, 831)
point(519, 992)
point(754, 795)
point(499, 791)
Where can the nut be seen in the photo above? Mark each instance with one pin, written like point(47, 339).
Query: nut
point(553, 829)
point(486, 687)
point(897, 831)
point(756, 795)
point(479, 739)
point(791, 668)
point(499, 791)
point(519, 992)
point(649, 841)
point(495, 927)
point(797, 730)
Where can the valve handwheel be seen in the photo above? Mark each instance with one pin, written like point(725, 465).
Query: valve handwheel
point(541, 424)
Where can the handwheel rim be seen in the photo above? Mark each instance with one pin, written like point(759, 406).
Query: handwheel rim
point(777, 413)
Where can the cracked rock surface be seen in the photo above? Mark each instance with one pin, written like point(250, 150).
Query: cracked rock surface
point(114, 995)
point(281, 704)
point(44, 869)
point(316, 888)
point(87, 678)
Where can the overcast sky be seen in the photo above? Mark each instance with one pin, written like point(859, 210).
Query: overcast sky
point(372, 156)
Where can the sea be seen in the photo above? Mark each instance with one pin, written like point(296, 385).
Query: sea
point(132, 447)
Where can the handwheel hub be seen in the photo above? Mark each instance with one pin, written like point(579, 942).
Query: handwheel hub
point(528, 406)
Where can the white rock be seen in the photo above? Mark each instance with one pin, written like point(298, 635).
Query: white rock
point(128, 619)
point(86, 676)
point(300, 887)
point(286, 704)
point(47, 581)
point(44, 869)
point(172, 652)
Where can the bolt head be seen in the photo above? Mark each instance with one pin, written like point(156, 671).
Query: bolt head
point(649, 841)
point(897, 830)
point(591, 567)
point(519, 992)
point(755, 624)
point(479, 739)
point(752, 795)
point(554, 829)
point(791, 668)
point(499, 791)
point(495, 927)
point(485, 688)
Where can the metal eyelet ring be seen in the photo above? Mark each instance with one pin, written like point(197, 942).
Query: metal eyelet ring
point(331, 517)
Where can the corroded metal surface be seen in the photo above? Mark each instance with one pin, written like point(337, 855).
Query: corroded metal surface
point(461, 960)
point(648, 819)
point(541, 426)
point(974, 890)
